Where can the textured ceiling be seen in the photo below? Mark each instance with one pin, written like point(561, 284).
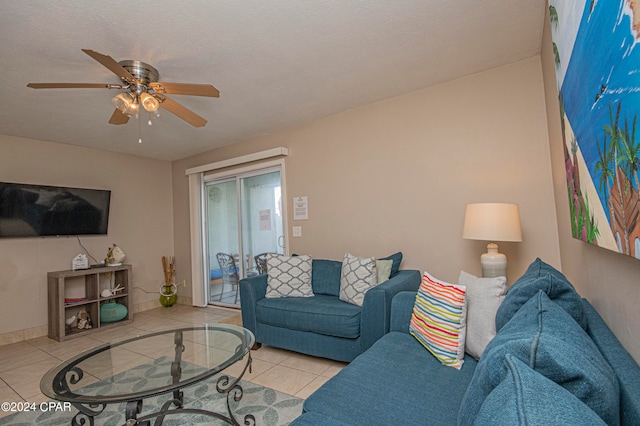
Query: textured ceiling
point(276, 63)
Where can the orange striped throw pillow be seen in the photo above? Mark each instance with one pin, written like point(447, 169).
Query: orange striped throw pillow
point(439, 319)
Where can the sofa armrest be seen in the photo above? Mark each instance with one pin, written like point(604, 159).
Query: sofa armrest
point(252, 290)
point(376, 308)
point(401, 310)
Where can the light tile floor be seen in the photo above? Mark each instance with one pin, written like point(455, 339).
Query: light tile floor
point(23, 364)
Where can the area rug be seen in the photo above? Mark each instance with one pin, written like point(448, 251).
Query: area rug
point(268, 406)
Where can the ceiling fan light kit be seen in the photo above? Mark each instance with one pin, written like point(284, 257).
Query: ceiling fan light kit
point(149, 103)
point(141, 87)
point(126, 103)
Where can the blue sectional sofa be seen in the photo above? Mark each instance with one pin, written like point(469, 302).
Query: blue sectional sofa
point(323, 325)
point(553, 361)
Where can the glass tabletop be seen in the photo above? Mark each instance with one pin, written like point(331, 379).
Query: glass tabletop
point(147, 365)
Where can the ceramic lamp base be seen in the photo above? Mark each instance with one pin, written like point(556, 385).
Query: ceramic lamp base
point(494, 264)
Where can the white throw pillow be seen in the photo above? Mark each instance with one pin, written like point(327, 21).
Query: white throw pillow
point(484, 296)
point(358, 276)
point(288, 276)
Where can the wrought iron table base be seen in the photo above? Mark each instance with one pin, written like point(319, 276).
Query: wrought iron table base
point(133, 408)
point(86, 413)
point(232, 389)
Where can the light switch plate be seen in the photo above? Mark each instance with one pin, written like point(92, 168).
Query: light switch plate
point(297, 231)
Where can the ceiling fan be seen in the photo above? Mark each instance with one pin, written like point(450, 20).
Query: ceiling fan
point(140, 88)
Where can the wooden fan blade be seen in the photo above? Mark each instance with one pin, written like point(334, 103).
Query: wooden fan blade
point(112, 65)
point(73, 86)
point(186, 89)
point(118, 117)
point(182, 112)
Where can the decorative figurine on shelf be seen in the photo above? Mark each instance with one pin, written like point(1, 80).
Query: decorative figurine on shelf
point(84, 320)
point(112, 312)
point(108, 292)
point(69, 323)
point(168, 290)
point(115, 256)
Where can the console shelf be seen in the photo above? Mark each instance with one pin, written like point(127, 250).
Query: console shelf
point(83, 288)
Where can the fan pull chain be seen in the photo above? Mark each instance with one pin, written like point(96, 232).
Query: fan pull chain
point(152, 116)
point(139, 129)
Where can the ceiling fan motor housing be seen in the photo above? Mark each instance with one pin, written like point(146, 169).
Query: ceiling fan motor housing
point(144, 72)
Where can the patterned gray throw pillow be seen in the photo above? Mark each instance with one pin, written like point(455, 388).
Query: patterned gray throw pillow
point(288, 276)
point(358, 276)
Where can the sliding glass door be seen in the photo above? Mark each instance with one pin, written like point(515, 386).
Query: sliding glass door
point(243, 219)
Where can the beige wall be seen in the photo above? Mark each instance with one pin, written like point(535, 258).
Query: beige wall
point(140, 223)
point(397, 174)
point(610, 281)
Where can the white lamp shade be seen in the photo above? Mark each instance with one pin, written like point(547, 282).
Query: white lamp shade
point(492, 222)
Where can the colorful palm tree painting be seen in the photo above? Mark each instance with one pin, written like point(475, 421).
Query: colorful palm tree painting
point(596, 47)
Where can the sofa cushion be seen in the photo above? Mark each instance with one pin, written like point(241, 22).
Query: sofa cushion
point(541, 276)
point(359, 275)
point(288, 276)
point(621, 362)
point(484, 297)
point(438, 320)
point(325, 277)
point(319, 314)
point(315, 419)
point(397, 383)
point(545, 337)
point(526, 397)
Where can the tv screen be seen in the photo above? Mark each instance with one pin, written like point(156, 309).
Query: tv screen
point(41, 211)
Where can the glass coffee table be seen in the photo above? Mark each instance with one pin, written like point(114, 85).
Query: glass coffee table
point(151, 365)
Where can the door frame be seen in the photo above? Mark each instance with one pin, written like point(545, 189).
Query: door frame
point(238, 173)
point(195, 196)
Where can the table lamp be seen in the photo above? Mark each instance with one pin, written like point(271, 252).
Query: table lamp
point(492, 222)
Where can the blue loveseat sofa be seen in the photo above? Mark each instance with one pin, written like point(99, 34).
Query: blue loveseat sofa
point(553, 361)
point(323, 325)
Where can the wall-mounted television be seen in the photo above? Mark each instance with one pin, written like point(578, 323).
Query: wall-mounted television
point(43, 211)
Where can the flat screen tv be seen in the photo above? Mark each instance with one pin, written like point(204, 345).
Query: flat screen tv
point(43, 211)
